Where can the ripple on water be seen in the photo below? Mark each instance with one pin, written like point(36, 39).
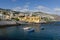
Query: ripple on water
point(50, 32)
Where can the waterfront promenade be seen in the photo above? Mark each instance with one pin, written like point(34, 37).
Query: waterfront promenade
point(7, 23)
point(15, 23)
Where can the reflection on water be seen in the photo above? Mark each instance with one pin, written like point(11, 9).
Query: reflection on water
point(50, 32)
point(3, 32)
point(35, 26)
point(18, 30)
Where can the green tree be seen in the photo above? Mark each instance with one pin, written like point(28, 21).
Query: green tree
point(15, 19)
point(0, 19)
point(47, 19)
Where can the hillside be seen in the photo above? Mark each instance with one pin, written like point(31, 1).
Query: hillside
point(57, 17)
point(35, 13)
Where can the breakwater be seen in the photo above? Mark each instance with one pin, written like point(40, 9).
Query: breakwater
point(8, 23)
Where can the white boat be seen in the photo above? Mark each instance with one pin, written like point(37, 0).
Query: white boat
point(29, 29)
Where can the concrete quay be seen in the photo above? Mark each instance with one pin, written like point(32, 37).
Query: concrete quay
point(8, 23)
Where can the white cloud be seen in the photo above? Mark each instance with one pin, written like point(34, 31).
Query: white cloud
point(40, 8)
point(17, 9)
point(37, 8)
point(43, 9)
point(56, 9)
point(23, 9)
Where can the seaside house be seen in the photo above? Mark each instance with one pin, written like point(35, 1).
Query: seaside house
point(35, 19)
point(6, 17)
point(21, 17)
point(1, 16)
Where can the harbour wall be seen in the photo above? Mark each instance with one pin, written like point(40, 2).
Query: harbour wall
point(7, 23)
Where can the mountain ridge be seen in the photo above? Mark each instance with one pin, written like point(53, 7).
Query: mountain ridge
point(57, 17)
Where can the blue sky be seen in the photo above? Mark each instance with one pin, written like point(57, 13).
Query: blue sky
point(49, 6)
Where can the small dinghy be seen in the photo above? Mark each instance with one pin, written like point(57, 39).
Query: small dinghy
point(29, 29)
point(42, 28)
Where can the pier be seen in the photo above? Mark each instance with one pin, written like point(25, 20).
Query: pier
point(4, 24)
point(8, 23)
